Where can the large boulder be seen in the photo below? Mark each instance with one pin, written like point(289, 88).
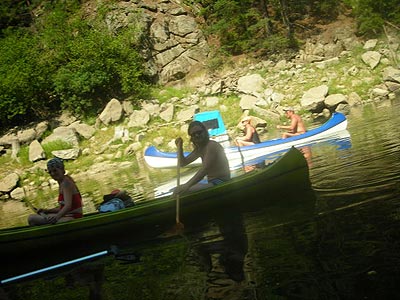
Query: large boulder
point(313, 99)
point(36, 151)
point(66, 134)
point(112, 112)
point(139, 118)
point(251, 84)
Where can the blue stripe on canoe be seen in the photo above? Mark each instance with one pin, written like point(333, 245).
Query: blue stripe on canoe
point(336, 119)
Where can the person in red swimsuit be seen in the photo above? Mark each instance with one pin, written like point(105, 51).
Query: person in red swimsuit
point(69, 198)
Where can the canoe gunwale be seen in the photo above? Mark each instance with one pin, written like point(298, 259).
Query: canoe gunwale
point(337, 123)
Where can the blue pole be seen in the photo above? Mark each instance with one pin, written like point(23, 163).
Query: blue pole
point(70, 262)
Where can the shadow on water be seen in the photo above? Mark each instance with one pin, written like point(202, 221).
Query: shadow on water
point(281, 251)
point(210, 261)
point(350, 253)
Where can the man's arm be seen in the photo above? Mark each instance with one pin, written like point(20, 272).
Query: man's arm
point(290, 128)
point(185, 160)
point(293, 125)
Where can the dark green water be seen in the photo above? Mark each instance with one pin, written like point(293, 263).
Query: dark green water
point(340, 241)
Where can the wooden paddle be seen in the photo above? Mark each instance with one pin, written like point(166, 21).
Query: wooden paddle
point(179, 226)
point(241, 154)
point(36, 210)
point(113, 250)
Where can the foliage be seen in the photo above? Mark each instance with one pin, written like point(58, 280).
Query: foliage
point(23, 83)
point(14, 14)
point(254, 25)
point(66, 61)
point(372, 14)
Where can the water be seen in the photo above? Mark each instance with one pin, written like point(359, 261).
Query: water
point(341, 241)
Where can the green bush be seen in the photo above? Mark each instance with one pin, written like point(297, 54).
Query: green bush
point(372, 14)
point(23, 84)
point(64, 61)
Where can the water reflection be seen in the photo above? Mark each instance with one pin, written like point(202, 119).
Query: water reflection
point(339, 242)
point(89, 276)
point(222, 255)
point(230, 248)
point(346, 254)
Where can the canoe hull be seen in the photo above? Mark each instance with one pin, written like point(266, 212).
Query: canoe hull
point(335, 127)
point(146, 220)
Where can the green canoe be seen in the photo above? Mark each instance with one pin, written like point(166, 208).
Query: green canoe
point(148, 219)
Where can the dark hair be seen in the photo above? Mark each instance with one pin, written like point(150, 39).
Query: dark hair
point(55, 163)
point(199, 124)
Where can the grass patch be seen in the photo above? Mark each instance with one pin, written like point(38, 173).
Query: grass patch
point(164, 94)
point(56, 146)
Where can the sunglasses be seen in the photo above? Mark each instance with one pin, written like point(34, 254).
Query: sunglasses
point(196, 133)
point(52, 170)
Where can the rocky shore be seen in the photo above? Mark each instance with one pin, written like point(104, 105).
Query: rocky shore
point(332, 72)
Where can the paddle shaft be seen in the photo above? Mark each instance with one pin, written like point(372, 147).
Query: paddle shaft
point(34, 208)
point(178, 183)
point(241, 154)
point(43, 270)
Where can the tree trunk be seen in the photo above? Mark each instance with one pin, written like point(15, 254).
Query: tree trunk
point(264, 9)
point(286, 21)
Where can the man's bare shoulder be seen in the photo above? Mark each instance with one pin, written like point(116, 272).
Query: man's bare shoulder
point(214, 145)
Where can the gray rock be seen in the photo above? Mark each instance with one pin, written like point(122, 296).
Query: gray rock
point(250, 84)
point(8, 183)
point(84, 130)
point(167, 112)
point(152, 107)
point(392, 86)
point(36, 151)
point(127, 107)
point(112, 112)
point(18, 193)
point(186, 115)
point(182, 25)
point(67, 154)
point(247, 102)
point(354, 99)
point(332, 101)
point(41, 128)
point(66, 134)
point(343, 108)
point(313, 99)
point(26, 136)
point(370, 44)
point(139, 118)
point(379, 92)
point(211, 101)
point(371, 58)
point(391, 74)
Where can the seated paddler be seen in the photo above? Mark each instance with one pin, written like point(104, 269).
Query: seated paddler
point(69, 198)
point(214, 167)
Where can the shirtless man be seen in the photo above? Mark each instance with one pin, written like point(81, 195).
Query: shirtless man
point(214, 162)
point(296, 126)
